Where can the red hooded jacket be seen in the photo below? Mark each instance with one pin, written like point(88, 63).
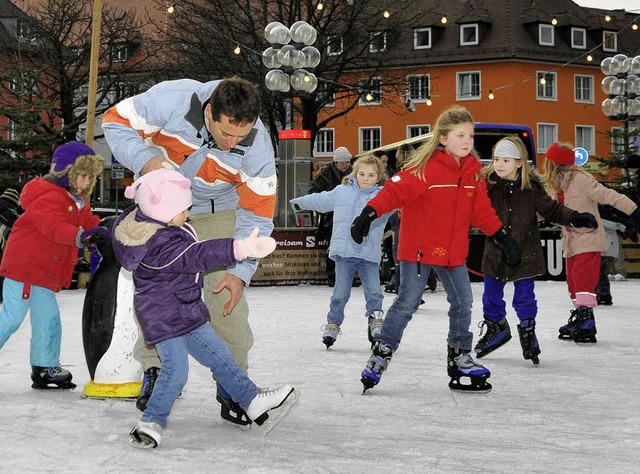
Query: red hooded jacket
point(438, 211)
point(41, 249)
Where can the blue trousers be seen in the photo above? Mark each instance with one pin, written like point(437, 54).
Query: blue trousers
point(370, 277)
point(208, 349)
point(46, 329)
point(524, 299)
point(456, 283)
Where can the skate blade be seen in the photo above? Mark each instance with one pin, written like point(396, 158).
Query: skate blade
point(479, 389)
point(367, 383)
point(277, 414)
point(54, 386)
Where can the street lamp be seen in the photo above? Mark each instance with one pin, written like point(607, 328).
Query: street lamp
point(290, 56)
point(622, 86)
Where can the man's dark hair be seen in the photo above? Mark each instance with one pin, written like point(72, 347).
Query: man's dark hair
point(236, 98)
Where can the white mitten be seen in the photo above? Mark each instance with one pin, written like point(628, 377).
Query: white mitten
point(253, 246)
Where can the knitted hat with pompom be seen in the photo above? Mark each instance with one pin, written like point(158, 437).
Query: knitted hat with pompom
point(161, 194)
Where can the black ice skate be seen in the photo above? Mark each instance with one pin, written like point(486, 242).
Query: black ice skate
point(585, 326)
point(498, 334)
point(51, 378)
point(148, 382)
point(528, 340)
point(330, 334)
point(232, 412)
point(376, 365)
point(460, 364)
point(565, 331)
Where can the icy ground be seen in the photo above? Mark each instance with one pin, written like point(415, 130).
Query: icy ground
point(578, 411)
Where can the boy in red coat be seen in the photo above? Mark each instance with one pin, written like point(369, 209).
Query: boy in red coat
point(42, 252)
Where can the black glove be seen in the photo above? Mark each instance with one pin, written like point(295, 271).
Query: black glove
point(95, 234)
point(508, 247)
point(361, 224)
point(583, 219)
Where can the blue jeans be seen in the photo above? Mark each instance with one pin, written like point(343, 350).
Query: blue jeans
point(207, 348)
point(524, 299)
point(46, 328)
point(370, 277)
point(456, 283)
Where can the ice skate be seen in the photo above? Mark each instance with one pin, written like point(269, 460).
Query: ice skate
point(331, 332)
point(230, 411)
point(376, 365)
point(51, 378)
point(565, 331)
point(585, 326)
point(498, 334)
point(528, 340)
point(375, 322)
point(272, 405)
point(604, 300)
point(148, 382)
point(461, 364)
point(146, 435)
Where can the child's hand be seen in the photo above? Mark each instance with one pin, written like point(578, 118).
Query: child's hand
point(95, 234)
point(361, 224)
point(583, 219)
point(509, 247)
point(253, 246)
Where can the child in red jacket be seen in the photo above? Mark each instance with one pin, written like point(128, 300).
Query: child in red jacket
point(440, 193)
point(42, 252)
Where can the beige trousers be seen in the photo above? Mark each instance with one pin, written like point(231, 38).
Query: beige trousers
point(233, 329)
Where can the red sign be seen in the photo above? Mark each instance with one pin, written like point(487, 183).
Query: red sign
point(294, 135)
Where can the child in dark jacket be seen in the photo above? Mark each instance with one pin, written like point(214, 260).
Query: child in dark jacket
point(41, 253)
point(440, 193)
point(518, 196)
point(154, 241)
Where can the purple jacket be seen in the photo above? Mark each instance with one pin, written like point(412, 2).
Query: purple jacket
point(167, 265)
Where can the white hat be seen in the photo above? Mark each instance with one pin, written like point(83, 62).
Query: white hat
point(341, 154)
point(507, 149)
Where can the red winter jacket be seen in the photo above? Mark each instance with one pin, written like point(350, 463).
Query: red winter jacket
point(42, 247)
point(438, 212)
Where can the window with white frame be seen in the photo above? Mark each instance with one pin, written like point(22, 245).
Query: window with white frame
point(12, 85)
point(468, 85)
point(609, 41)
point(547, 135)
point(11, 130)
point(468, 34)
point(422, 38)
point(546, 35)
point(583, 89)
point(370, 138)
point(578, 38)
point(418, 87)
point(618, 137)
point(417, 130)
point(586, 138)
point(546, 86)
point(119, 52)
point(377, 42)
point(25, 31)
point(335, 45)
point(325, 142)
point(370, 88)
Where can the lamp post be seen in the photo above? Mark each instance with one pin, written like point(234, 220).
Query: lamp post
point(622, 86)
point(289, 58)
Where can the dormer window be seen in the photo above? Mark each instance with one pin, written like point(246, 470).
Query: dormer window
point(609, 41)
point(335, 45)
point(25, 31)
point(378, 42)
point(422, 38)
point(578, 38)
point(546, 35)
point(469, 34)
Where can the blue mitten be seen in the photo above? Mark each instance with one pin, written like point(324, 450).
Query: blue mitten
point(95, 234)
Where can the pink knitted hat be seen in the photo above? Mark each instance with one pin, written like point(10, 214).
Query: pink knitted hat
point(161, 194)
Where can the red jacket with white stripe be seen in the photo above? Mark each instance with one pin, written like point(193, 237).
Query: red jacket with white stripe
point(437, 212)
